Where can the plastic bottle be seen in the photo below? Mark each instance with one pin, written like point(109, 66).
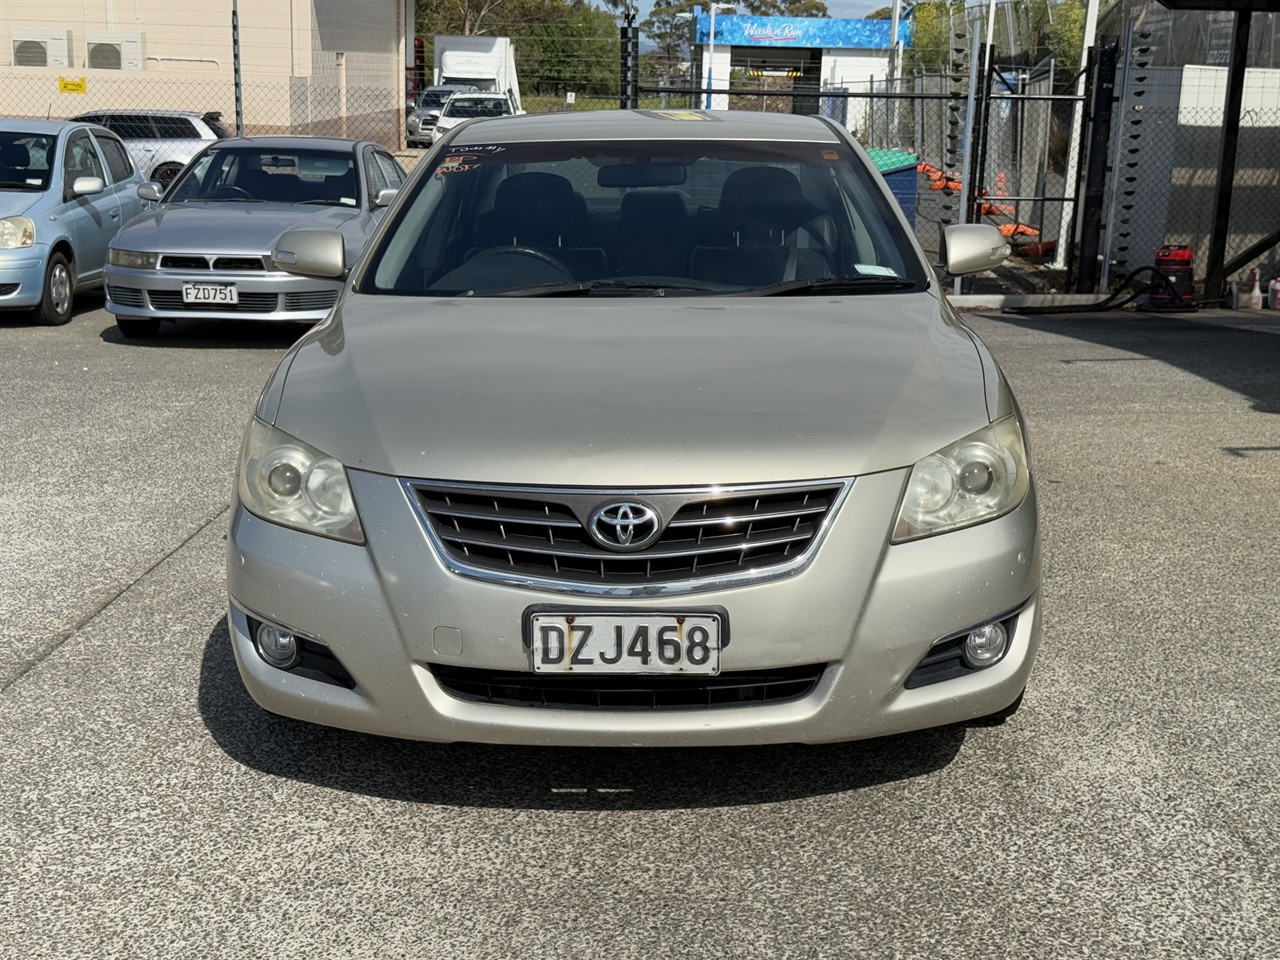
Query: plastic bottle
point(1255, 295)
point(1273, 294)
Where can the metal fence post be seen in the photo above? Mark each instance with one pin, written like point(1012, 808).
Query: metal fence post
point(1096, 166)
point(235, 61)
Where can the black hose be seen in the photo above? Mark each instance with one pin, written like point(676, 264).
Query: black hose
point(1160, 283)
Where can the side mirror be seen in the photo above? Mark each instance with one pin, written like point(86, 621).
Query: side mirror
point(384, 197)
point(150, 191)
point(972, 248)
point(434, 113)
point(87, 186)
point(311, 253)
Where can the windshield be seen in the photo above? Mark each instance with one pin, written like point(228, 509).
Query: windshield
point(645, 218)
point(432, 99)
point(464, 108)
point(276, 176)
point(26, 161)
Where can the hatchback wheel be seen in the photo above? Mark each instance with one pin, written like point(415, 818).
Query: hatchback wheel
point(165, 173)
point(138, 328)
point(59, 292)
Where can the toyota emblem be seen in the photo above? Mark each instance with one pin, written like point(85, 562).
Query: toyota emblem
point(624, 526)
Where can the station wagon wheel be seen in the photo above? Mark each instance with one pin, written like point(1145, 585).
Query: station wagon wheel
point(138, 328)
point(165, 173)
point(59, 292)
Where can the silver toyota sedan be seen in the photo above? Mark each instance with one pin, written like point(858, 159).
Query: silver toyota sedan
point(637, 428)
point(203, 251)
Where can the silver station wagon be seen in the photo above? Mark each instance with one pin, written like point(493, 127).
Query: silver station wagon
point(637, 428)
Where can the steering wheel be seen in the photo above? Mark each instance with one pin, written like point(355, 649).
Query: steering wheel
point(536, 254)
point(228, 188)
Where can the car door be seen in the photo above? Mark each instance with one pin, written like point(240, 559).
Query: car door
point(95, 218)
point(124, 178)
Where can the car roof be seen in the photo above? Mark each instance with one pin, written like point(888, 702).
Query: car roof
point(12, 125)
point(289, 143)
point(648, 125)
point(133, 112)
point(480, 94)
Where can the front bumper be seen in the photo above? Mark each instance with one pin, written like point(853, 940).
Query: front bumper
point(868, 611)
point(22, 276)
point(265, 295)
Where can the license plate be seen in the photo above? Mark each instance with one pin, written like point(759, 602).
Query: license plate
point(210, 293)
point(626, 643)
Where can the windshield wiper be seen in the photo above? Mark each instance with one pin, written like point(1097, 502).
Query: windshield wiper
point(19, 185)
point(836, 283)
point(653, 288)
point(328, 203)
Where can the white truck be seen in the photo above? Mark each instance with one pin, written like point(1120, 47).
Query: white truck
point(487, 63)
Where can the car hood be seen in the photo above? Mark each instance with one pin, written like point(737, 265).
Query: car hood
point(224, 227)
point(14, 203)
point(625, 392)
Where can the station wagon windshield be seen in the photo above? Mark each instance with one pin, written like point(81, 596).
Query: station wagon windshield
point(645, 218)
point(273, 176)
point(26, 161)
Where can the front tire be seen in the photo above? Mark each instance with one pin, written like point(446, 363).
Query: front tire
point(138, 328)
point(165, 173)
point(59, 292)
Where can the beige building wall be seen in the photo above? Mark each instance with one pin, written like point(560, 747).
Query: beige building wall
point(324, 66)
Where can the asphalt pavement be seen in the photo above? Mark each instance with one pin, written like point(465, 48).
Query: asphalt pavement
point(1131, 808)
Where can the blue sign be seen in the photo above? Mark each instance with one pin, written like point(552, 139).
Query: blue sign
point(739, 31)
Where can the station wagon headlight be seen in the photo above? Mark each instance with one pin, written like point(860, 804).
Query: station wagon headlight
point(292, 483)
point(132, 258)
point(17, 232)
point(978, 478)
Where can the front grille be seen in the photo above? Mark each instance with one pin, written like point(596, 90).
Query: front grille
point(8, 288)
point(125, 296)
point(603, 692)
point(239, 263)
point(311, 300)
point(171, 262)
point(249, 303)
point(518, 535)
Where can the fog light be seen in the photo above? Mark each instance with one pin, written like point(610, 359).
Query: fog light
point(276, 646)
point(985, 645)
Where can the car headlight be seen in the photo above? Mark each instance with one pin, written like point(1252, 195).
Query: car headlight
point(17, 232)
point(292, 483)
point(979, 478)
point(132, 258)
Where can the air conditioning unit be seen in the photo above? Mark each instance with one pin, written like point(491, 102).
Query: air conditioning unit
point(113, 50)
point(41, 47)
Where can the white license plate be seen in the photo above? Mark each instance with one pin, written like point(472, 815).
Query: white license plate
point(210, 293)
point(626, 643)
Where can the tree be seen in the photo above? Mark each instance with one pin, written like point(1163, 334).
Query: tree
point(931, 38)
point(1066, 35)
point(786, 8)
point(670, 29)
point(884, 13)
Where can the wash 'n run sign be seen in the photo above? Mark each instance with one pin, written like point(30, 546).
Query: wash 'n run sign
point(813, 32)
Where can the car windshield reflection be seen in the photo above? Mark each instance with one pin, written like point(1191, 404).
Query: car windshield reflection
point(270, 176)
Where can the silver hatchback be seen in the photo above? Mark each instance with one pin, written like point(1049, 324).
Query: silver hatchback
point(638, 428)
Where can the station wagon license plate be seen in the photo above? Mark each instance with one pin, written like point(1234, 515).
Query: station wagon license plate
point(626, 643)
point(210, 293)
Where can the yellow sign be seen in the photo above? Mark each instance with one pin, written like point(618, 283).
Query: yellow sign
point(73, 85)
point(679, 115)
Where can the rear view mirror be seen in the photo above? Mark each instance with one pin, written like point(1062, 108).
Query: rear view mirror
point(311, 253)
point(641, 175)
point(150, 191)
point(88, 186)
point(385, 196)
point(972, 248)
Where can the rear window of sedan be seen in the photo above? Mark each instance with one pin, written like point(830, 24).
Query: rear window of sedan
point(714, 216)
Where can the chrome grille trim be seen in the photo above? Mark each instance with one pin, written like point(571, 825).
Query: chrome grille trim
point(562, 517)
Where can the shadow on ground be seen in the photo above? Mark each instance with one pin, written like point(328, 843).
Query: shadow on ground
point(214, 334)
point(1244, 361)
point(545, 778)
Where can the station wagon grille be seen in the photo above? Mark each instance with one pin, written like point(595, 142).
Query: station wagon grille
point(311, 300)
point(602, 692)
point(249, 303)
point(125, 296)
point(540, 537)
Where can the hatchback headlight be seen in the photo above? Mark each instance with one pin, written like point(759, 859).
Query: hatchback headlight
point(132, 258)
point(292, 483)
point(979, 478)
point(17, 232)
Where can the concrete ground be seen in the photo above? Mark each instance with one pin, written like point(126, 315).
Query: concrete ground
point(149, 809)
